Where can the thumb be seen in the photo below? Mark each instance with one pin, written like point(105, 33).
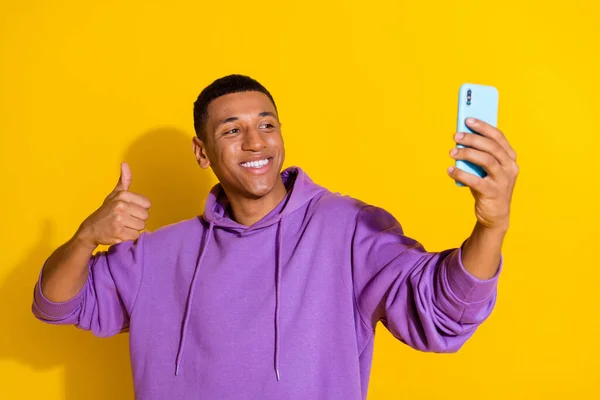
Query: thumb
point(124, 179)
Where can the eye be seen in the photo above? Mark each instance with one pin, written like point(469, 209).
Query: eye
point(231, 131)
point(267, 125)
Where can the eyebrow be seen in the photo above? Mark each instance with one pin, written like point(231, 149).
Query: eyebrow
point(232, 119)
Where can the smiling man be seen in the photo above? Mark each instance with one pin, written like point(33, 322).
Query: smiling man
point(276, 290)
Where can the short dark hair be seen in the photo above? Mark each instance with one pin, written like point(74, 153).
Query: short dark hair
point(228, 84)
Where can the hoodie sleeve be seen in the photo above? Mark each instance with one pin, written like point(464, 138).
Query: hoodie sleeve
point(106, 300)
point(426, 300)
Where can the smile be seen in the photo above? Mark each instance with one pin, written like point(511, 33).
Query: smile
point(256, 164)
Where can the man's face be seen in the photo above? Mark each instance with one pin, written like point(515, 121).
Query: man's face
point(242, 144)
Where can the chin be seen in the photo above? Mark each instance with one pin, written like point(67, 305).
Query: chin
point(259, 191)
point(252, 185)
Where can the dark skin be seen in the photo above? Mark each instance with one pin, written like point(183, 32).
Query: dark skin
point(243, 129)
point(493, 194)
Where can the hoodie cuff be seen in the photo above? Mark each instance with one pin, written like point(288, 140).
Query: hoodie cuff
point(465, 286)
point(54, 310)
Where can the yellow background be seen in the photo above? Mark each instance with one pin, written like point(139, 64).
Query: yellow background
point(367, 95)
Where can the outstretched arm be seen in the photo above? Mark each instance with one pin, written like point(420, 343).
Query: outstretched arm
point(493, 193)
point(436, 301)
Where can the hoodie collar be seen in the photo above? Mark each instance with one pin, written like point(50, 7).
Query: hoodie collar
point(300, 190)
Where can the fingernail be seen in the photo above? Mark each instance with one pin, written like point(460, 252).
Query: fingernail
point(453, 152)
point(450, 170)
point(459, 136)
point(471, 121)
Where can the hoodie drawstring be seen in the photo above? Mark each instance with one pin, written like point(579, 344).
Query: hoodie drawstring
point(190, 299)
point(279, 250)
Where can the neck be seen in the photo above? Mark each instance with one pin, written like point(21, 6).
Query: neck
point(247, 211)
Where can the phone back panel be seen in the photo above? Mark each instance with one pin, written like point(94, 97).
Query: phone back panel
point(483, 105)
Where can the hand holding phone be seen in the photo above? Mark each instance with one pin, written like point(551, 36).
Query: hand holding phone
point(492, 181)
point(480, 102)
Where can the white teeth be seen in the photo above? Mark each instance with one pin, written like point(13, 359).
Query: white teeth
point(255, 164)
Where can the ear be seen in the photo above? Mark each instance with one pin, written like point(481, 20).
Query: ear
point(200, 152)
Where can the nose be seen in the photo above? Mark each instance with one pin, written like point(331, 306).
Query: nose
point(253, 140)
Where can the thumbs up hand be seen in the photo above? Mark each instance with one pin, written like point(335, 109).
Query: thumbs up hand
point(120, 218)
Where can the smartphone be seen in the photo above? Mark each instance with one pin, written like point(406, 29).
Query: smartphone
point(477, 101)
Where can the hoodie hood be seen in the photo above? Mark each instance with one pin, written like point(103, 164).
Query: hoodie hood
point(300, 190)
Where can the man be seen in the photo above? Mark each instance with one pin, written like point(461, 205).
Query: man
point(275, 292)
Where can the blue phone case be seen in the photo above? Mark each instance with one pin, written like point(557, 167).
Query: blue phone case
point(477, 101)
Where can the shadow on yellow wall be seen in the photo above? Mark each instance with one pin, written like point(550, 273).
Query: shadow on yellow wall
point(165, 171)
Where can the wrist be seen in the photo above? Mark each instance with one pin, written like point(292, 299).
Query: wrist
point(482, 251)
point(84, 239)
point(498, 230)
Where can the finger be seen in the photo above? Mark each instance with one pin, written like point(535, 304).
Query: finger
point(473, 181)
point(484, 144)
point(124, 178)
point(492, 132)
point(134, 223)
point(128, 234)
point(134, 198)
point(138, 212)
point(484, 160)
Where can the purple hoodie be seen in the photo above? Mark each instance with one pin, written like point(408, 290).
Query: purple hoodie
point(284, 309)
